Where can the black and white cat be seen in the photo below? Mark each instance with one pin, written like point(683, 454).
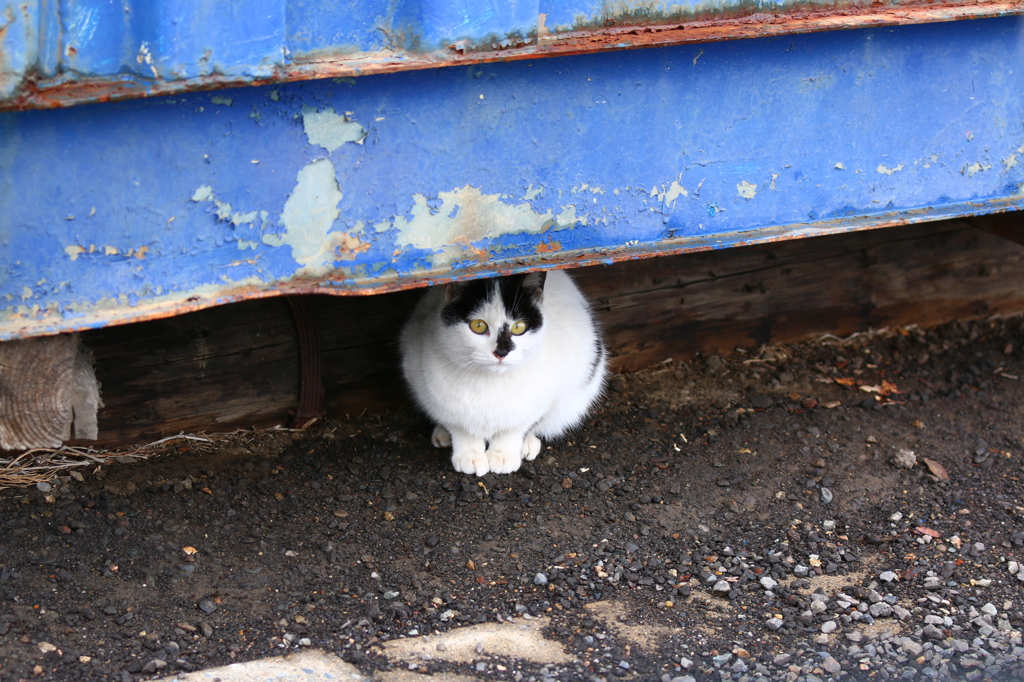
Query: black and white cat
point(499, 364)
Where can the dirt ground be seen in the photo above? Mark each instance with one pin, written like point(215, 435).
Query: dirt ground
point(842, 509)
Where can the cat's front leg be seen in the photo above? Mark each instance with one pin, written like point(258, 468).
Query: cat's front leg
point(505, 453)
point(469, 454)
point(440, 438)
point(531, 446)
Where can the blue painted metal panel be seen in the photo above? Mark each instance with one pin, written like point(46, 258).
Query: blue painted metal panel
point(65, 52)
point(137, 209)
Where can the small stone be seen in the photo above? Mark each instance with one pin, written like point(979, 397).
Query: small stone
point(206, 629)
point(722, 588)
point(989, 609)
point(910, 647)
point(880, 610)
point(43, 486)
point(932, 633)
point(828, 627)
point(768, 583)
point(722, 659)
point(905, 459)
point(773, 624)
point(826, 496)
point(887, 576)
point(46, 647)
point(207, 606)
point(540, 579)
point(831, 665)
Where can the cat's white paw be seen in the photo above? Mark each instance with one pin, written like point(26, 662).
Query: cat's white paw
point(531, 447)
point(471, 462)
point(504, 461)
point(441, 438)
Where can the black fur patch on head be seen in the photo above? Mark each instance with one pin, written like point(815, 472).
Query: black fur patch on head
point(505, 344)
point(464, 298)
point(520, 295)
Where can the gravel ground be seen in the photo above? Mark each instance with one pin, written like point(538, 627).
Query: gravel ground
point(825, 511)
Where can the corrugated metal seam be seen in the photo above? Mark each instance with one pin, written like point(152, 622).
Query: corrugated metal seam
point(34, 82)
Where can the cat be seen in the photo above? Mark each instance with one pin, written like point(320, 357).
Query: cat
point(500, 363)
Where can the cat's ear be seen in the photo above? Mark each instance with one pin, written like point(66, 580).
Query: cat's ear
point(452, 290)
point(535, 281)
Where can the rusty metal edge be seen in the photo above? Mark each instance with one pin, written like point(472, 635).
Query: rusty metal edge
point(71, 91)
point(144, 312)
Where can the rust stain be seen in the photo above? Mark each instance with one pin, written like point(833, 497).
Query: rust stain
point(44, 94)
point(549, 246)
point(350, 246)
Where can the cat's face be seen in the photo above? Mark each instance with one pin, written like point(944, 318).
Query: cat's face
point(494, 323)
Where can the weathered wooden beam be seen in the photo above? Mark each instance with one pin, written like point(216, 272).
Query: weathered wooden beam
point(1008, 225)
point(48, 392)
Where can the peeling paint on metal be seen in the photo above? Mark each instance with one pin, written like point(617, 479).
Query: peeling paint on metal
point(888, 171)
point(203, 193)
point(465, 216)
point(975, 168)
point(746, 189)
point(330, 130)
point(308, 215)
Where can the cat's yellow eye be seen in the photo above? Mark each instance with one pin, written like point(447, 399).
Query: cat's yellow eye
point(478, 326)
point(519, 328)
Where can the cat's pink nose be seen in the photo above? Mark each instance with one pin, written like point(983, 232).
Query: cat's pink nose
point(500, 353)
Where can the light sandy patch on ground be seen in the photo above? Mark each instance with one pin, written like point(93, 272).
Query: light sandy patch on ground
point(308, 666)
point(520, 639)
point(647, 637)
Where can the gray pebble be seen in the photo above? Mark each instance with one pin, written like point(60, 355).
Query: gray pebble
point(887, 576)
point(828, 627)
point(207, 606)
point(540, 579)
point(910, 647)
point(826, 496)
point(722, 587)
point(43, 486)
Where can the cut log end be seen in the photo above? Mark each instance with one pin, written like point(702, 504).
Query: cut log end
point(47, 387)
